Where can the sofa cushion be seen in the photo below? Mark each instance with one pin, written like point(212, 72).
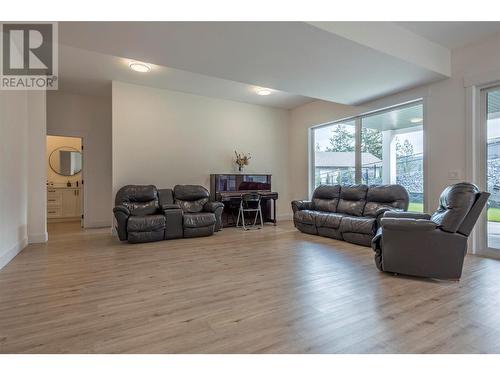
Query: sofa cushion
point(191, 206)
point(142, 208)
point(365, 225)
point(454, 205)
point(385, 196)
point(146, 223)
point(136, 193)
point(326, 198)
point(190, 192)
point(306, 216)
point(328, 219)
point(352, 199)
point(140, 200)
point(198, 220)
point(328, 205)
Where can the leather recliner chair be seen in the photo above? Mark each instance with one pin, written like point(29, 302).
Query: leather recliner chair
point(138, 214)
point(200, 217)
point(434, 246)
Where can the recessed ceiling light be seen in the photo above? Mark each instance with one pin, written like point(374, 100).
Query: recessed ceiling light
point(264, 92)
point(139, 67)
point(415, 120)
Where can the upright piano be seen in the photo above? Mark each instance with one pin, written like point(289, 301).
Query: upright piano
point(228, 188)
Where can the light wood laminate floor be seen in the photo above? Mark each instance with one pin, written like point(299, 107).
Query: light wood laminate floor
point(270, 291)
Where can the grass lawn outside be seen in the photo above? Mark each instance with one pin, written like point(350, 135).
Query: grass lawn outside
point(494, 214)
point(416, 207)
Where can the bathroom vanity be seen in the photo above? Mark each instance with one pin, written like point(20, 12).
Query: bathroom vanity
point(64, 203)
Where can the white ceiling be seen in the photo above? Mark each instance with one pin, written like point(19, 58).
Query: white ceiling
point(348, 63)
point(452, 34)
point(293, 57)
point(91, 73)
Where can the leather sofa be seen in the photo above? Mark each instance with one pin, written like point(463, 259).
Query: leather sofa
point(144, 213)
point(351, 213)
point(419, 244)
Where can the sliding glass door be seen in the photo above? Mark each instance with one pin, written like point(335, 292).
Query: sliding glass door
point(383, 147)
point(493, 166)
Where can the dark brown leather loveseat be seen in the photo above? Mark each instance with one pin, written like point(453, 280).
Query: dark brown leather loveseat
point(351, 213)
point(144, 213)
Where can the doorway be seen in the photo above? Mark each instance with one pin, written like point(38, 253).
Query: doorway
point(491, 128)
point(64, 183)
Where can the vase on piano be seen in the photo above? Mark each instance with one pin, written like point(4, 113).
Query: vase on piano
point(241, 160)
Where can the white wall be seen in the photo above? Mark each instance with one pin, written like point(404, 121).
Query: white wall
point(13, 174)
point(445, 123)
point(165, 138)
point(90, 118)
point(22, 119)
point(37, 174)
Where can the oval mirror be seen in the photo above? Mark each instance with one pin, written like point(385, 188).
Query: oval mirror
point(66, 161)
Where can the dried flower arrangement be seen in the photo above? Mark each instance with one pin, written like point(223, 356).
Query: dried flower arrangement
point(242, 160)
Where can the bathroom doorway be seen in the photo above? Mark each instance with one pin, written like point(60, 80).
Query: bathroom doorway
point(65, 193)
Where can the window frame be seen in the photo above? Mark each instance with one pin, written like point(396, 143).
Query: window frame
point(358, 120)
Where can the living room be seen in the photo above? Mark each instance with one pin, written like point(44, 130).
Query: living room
point(247, 187)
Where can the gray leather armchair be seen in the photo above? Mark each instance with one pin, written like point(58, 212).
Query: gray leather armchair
point(434, 246)
point(139, 217)
point(200, 217)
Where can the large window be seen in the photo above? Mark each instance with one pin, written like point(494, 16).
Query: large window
point(384, 147)
point(335, 160)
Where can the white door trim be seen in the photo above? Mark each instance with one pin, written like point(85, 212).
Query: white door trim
point(476, 158)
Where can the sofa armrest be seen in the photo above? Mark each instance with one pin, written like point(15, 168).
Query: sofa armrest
point(301, 205)
point(212, 206)
point(407, 225)
point(381, 212)
point(406, 215)
point(122, 214)
point(173, 221)
point(121, 209)
point(216, 208)
point(165, 197)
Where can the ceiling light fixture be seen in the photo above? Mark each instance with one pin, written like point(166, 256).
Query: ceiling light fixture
point(139, 67)
point(416, 120)
point(264, 92)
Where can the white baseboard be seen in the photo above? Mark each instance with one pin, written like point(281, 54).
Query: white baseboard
point(97, 224)
point(38, 237)
point(284, 217)
point(12, 252)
